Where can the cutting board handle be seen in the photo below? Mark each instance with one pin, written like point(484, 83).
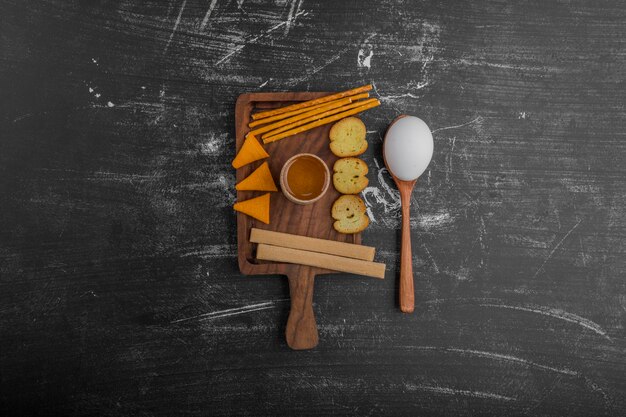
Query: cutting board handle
point(301, 332)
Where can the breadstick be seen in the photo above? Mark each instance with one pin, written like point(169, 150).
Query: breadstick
point(309, 103)
point(295, 112)
point(317, 117)
point(322, 122)
point(327, 106)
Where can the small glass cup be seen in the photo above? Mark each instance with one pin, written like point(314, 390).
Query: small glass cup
point(284, 178)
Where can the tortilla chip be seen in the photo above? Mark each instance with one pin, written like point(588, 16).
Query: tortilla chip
point(257, 207)
point(250, 151)
point(260, 180)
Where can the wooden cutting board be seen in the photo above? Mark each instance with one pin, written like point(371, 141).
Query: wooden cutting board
point(312, 220)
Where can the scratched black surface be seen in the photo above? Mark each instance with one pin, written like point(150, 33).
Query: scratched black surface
point(119, 287)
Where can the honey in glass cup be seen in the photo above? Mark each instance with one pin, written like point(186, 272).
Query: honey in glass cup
point(304, 178)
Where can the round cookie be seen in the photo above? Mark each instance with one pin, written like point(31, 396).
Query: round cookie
point(347, 137)
point(349, 175)
point(349, 214)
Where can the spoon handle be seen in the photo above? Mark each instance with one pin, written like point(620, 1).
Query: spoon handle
point(407, 293)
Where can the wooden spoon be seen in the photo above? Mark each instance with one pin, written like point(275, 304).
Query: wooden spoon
point(407, 151)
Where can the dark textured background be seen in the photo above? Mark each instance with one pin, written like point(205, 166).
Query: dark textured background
point(119, 287)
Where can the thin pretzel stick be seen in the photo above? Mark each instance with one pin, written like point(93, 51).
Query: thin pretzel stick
point(317, 117)
point(327, 106)
point(321, 122)
point(295, 112)
point(309, 103)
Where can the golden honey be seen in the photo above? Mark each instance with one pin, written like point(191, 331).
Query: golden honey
point(306, 177)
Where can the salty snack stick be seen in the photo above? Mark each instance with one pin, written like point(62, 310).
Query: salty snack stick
point(322, 260)
point(332, 247)
point(309, 103)
point(300, 111)
point(325, 107)
point(317, 116)
point(322, 122)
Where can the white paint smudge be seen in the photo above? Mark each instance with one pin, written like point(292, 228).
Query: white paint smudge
point(254, 39)
point(290, 16)
point(574, 186)
point(478, 120)
point(364, 57)
point(463, 274)
point(432, 260)
point(208, 14)
point(555, 313)
point(232, 311)
point(401, 96)
point(557, 246)
point(370, 213)
point(412, 86)
point(514, 359)
point(91, 293)
point(497, 357)
point(92, 90)
point(509, 66)
point(388, 198)
point(461, 301)
point(180, 14)
point(214, 252)
point(102, 176)
point(214, 144)
point(543, 310)
point(435, 389)
point(424, 47)
point(430, 221)
point(224, 185)
point(315, 70)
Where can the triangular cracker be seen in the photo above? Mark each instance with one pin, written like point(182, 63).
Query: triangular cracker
point(257, 207)
point(250, 151)
point(260, 180)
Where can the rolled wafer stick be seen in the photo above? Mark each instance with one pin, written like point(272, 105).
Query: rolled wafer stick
point(322, 260)
point(309, 103)
point(327, 106)
point(317, 116)
point(321, 122)
point(332, 247)
point(300, 111)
